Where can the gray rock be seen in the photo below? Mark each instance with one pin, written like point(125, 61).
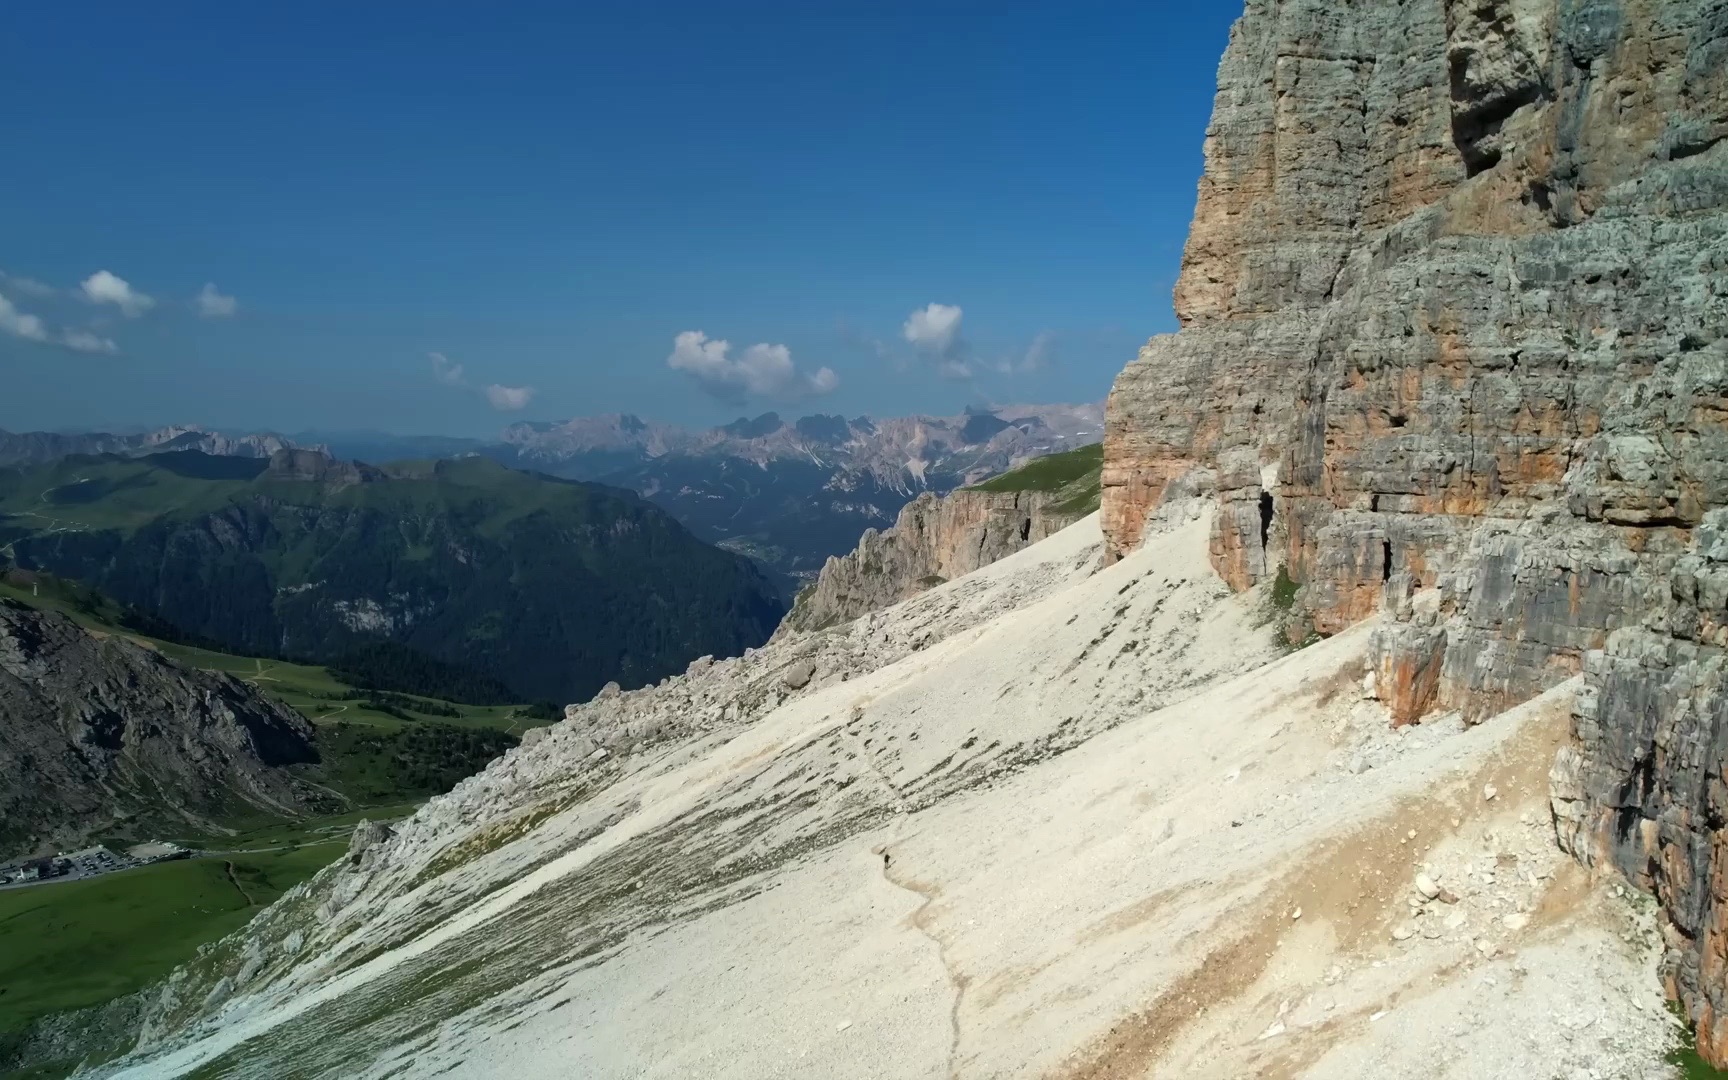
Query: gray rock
point(96, 727)
point(1454, 317)
point(799, 674)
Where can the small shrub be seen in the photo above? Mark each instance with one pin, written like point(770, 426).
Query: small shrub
point(1284, 590)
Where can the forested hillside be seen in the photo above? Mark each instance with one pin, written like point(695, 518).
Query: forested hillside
point(493, 583)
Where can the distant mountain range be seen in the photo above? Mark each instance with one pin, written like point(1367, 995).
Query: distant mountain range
point(792, 493)
point(553, 587)
point(905, 454)
point(787, 493)
point(41, 447)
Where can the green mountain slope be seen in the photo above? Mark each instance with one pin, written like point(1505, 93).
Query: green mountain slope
point(373, 747)
point(551, 587)
point(378, 755)
point(1074, 474)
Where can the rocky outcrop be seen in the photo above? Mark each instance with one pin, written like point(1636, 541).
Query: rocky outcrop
point(1643, 790)
point(291, 465)
point(935, 540)
point(1455, 347)
point(101, 733)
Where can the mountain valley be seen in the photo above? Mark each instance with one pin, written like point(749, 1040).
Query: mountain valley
point(465, 563)
point(1347, 697)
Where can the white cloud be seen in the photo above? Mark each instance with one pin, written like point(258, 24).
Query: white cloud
point(508, 398)
point(1037, 356)
point(20, 325)
point(760, 370)
point(450, 374)
point(105, 288)
point(212, 304)
point(934, 331)
point(85, 341)
point(27, 286)
point(32, 328)
point(502, 398)
point(934, 328)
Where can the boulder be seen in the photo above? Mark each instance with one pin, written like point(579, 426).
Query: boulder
point(798, 676)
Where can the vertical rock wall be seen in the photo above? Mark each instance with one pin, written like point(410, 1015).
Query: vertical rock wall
point(1455, 347)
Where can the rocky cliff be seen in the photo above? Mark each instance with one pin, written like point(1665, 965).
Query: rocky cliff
point(933, 541)
point(99, 733)
point(1454, 347)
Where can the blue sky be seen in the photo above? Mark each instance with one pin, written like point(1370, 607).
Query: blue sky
point(880, 207)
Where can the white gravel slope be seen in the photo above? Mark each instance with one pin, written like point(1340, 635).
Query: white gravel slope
point(1096, 827)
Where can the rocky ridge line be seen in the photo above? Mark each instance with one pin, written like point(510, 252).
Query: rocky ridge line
point(934, 540)
point(37, 447)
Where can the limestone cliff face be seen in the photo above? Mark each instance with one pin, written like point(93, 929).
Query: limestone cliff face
point(934, 540)
point(1455, 347)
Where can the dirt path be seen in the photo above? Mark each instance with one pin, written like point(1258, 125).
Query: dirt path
point(921, 921)
point(228, 868)
point(343, 839)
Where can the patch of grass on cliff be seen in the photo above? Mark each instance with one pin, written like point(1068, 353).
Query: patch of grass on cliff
point(1087, 494)
point(1051, 473)
point(1685, 1057)
point(1284, 590)
point(321, 695)
point(67, 945)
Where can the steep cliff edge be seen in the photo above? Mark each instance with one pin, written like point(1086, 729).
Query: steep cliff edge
point(937, 539)
point(1455, 348)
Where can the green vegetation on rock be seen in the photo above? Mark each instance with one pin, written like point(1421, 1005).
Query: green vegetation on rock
point(1284, 589)
point(1688, 1063)
point(1051, 473)
point(419, 759)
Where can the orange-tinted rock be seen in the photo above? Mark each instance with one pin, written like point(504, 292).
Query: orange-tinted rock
point(1455, 312)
